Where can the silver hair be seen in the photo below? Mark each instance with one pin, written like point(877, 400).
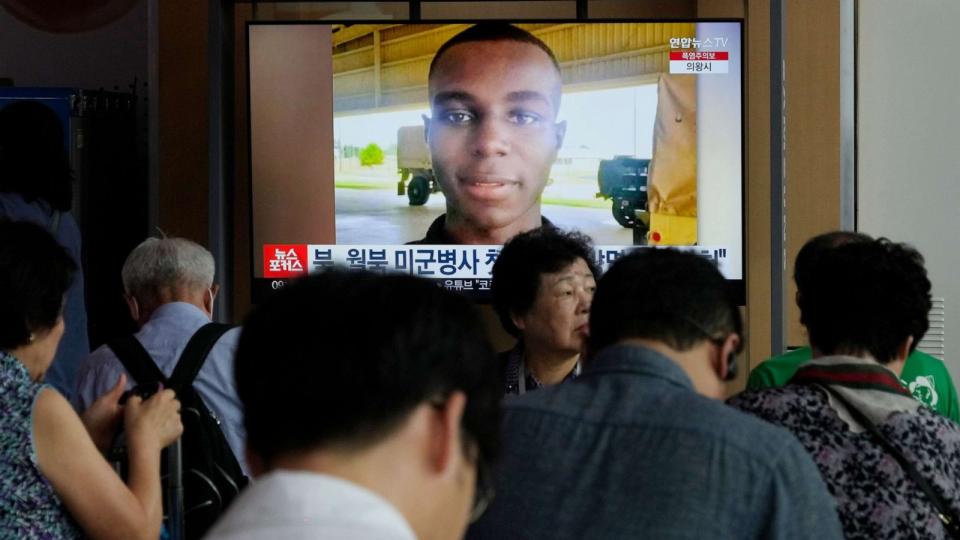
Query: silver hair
point(166, 263)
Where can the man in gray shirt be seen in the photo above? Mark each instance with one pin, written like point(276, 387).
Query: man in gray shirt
point(170, 292)
point(639, 445)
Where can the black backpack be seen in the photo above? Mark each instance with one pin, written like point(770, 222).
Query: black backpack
point(212, 477)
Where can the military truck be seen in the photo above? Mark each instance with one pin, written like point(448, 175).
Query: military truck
point(417, 180)
point(623, 179)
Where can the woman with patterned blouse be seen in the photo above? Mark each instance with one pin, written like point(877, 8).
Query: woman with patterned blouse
point(862, 305)
point(54, 482)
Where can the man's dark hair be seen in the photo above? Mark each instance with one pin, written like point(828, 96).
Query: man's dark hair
point(527, 256)
point(492, 32)
point(35, 273)
point(676, 297)
point(815, 247)
point(343, 357)
point(866, 297)
point(33, 160)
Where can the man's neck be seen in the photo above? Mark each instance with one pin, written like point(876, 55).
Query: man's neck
point(466, 232)
point(376, 469)
point(895, 365)
point(549, 368)
point(193, 298)
point(695, 362)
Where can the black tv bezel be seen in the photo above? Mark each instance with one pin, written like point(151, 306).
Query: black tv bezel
point(262, 287)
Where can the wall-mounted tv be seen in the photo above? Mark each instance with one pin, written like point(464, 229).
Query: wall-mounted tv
point(370, 150)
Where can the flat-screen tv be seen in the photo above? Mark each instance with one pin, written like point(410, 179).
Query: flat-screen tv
point(370, 150)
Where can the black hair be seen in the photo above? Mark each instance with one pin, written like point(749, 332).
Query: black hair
point(817, 246)
point(527, 256)
point(33, 160)
point(342, 358)
point(492, 32)
point(35, 273)
point(676, 297)
point(866, 297)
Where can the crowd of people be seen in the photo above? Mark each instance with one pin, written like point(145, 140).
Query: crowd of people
point(373, 406)
point(402, 422)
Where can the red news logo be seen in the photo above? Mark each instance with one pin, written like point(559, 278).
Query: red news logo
point(284, 260)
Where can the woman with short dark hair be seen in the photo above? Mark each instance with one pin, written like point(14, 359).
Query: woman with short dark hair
point(54, 481)
point(543, 283)
point(892, 464)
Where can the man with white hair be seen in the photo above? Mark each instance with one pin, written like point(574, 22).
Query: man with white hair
point(169, 289)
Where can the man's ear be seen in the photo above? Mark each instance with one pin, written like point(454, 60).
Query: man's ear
point(208, 298)
point(426, 128)
point(445, 439)
point(518, 321)
point(133, 307)
point(561, 132)
point(728, 352)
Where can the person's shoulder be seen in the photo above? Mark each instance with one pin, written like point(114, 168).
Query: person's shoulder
point(436, 233)
point(230, 337)
point(49, 401)
point(100, 358)
point(754, 439)
point(930, 436)
point(693, 414)
point(925, 419)
point(740, 422)
point(754, 401)
point(96, 372)
point(924, 364)
point(13, 206)
point(69, 230)
point(226, 345)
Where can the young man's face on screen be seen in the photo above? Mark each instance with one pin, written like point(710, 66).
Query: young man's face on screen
point(493, 134)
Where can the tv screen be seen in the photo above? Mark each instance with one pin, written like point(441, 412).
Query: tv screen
point(370, 150)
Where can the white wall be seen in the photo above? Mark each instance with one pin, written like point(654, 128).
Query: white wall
point(109, 57)
point(908, 155)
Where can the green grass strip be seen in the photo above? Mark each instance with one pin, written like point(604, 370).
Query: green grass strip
point(576, 203)
point(364, 185)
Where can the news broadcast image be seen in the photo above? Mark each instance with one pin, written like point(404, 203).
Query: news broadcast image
point(342, 172)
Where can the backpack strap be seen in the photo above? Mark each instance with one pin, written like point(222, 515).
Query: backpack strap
point(137, 361)
point(195, 353)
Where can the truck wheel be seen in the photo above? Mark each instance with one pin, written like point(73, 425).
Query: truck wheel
point(624, 213)
point(418, 191)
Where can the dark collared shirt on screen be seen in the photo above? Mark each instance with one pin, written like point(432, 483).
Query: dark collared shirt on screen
point(437, 232)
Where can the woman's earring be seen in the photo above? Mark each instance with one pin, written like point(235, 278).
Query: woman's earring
point(33, 337)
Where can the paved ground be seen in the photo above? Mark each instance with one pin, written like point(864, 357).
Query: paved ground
point(380, 216)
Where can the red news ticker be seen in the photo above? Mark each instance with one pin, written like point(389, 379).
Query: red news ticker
point(699, 55)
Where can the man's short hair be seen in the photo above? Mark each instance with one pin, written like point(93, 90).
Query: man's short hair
point(818, 245)
point(675, 297)
point(866, 297)
point(341, 358)
point(35, 273)
point(159, 264)
point(527, 256)
point(492, 32)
